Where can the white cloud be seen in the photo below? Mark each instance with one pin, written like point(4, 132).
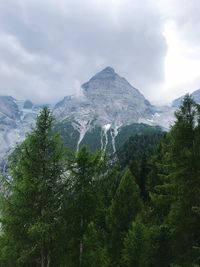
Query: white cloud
point(56, 43)
point(182, 34)
point(48, 48)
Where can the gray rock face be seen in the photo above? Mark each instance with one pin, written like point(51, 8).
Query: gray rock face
point(107, 101)
point(106, 98)
point(9, 111)
point(15, 121)
point(114, 100)
point(195, 95)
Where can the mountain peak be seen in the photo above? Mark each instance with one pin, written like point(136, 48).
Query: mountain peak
point(109, 70)
point(106, 73)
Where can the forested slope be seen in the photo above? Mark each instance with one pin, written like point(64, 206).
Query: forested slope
point(138, 209)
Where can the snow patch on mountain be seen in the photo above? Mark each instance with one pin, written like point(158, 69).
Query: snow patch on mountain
point(104, 136)
point(106, 99)
point(114, 132)
point(82, 127)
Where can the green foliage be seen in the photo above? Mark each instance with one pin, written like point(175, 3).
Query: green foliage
point(136, 153)
point(95, 252)
point(185, 177)
point(92, 138)
point(30, 213)
point(123, 210)
point(137, 146)
point(139, 208)
point(83, 201)
point(176, 189)
point(134, 244)
point(135, 129)
point(68, 134)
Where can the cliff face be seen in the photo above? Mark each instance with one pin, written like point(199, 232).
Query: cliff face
point(106, 98)
point(107, 105)
point(107, 101)
point(15, 120)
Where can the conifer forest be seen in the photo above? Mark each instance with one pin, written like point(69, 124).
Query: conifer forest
point(138, 207)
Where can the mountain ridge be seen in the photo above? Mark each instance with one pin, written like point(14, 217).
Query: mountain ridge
point(107, 101)
point(178, 101)
point(107, 104)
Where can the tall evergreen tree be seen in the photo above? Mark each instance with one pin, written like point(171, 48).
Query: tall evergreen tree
point(31, 215)
point(176, 190)
point(134, 247)
point(123, 210)
point(185, 178)
point(82, 202)
point(95, 250)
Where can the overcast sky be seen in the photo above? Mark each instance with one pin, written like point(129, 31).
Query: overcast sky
point(48, 48)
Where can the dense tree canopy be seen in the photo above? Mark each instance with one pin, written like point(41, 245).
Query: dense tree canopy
point(138, 208)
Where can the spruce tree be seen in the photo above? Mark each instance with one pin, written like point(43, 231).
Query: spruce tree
point(134, 247)
point(95, 254)
point(185, 179)
point(82, 201)
point(175, 191)
point(31, 212)
point(123, 210)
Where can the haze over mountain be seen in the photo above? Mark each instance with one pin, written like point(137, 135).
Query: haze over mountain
point(45, 45)
point(16, 118)
point(107, 108)
point(195, 95)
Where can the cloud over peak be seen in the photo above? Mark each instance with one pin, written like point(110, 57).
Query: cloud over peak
point(48, 48)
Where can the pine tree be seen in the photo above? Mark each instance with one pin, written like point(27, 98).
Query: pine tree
point(123, 210)
point(95, 254)
point(31, 215)
point(176, 189)
point(82, 202)
point(134, 247)
point(185, 178)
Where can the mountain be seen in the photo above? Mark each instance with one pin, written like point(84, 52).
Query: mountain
point(195, 95)
point(105, 99)
point(16, 118)
point(107, 103)
point(106, 113)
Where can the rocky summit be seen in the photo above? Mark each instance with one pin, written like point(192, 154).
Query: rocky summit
point(106, 98)
point(107, 106)
point(107, 101)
